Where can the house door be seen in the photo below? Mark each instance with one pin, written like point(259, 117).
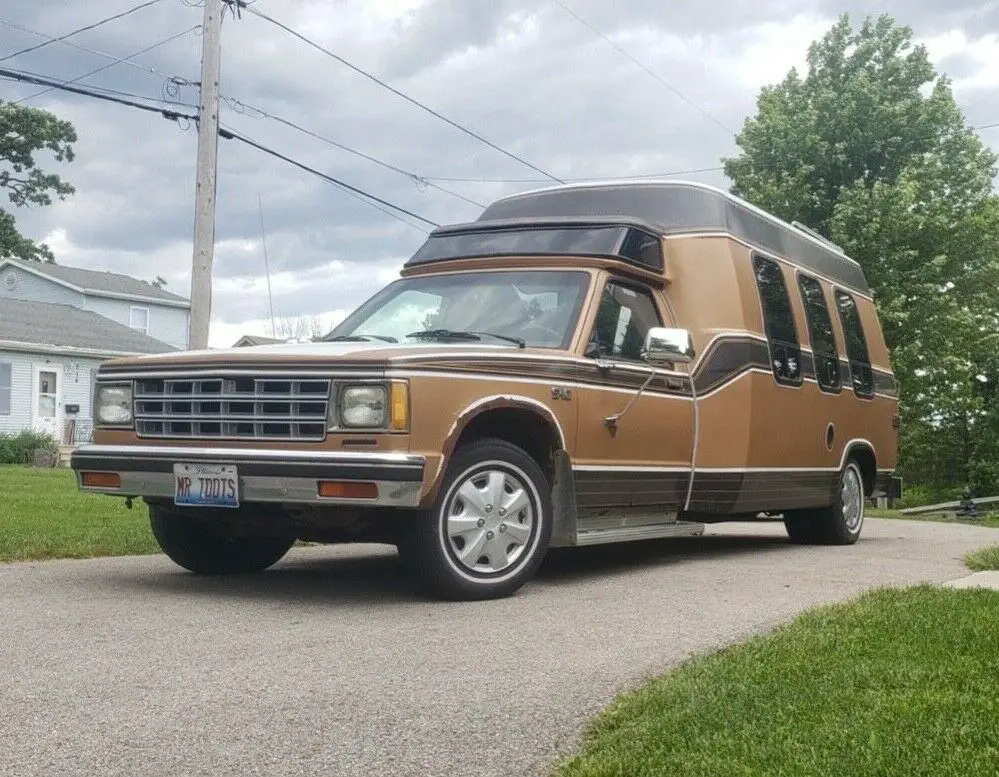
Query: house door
point(45, 402)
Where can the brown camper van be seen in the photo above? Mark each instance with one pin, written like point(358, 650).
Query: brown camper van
point(583, 364)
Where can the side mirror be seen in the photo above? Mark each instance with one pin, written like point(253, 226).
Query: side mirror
point(668, 346)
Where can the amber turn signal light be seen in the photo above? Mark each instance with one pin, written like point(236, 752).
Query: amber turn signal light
point(339, 489)
point(399, 419)
point(100, 480)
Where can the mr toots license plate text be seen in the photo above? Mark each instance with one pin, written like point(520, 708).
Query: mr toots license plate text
point(206, 485)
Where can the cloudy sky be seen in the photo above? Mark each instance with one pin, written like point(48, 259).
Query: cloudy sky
point(525, 74)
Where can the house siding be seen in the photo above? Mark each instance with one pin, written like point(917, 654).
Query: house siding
point(34, 289)
point(166, 324)
point(74, 379)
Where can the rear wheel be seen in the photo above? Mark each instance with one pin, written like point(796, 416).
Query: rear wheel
point(489, 529)
point(838, 524)
point(206, 548)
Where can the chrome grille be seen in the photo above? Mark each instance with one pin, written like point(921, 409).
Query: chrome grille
point(241, 408)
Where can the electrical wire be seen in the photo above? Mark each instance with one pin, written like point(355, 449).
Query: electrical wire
point(109, 95)
point(117, 60)
point(383, 205)
point(114, 59)
point(403, 95)
point(81, 29)
point(228, 134)
point(700, 109)
point(638, 176)
point(419, 180)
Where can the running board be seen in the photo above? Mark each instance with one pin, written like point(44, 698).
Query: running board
point(630, 533)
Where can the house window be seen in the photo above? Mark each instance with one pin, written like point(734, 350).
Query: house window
point(138, 318)
point(820, 333)
point(625, 316)
point(778, 320)
point(856, 345)
point(5, 381)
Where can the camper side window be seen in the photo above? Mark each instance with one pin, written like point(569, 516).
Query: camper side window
point(820, 332)
point(625, 316)
point(856, 345)
point(778, 319)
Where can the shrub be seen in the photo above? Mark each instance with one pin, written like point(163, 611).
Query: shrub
point(22, 448)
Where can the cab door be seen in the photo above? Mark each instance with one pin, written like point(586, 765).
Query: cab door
point(645, 458)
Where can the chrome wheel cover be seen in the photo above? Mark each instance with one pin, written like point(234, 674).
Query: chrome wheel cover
point(488, 519)
point(852, 497)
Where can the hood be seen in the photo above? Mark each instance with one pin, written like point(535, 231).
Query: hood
point(315, 354)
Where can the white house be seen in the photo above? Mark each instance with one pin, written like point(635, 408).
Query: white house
point(57, 324)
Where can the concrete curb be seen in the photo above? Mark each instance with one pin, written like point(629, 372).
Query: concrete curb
point(977, 580)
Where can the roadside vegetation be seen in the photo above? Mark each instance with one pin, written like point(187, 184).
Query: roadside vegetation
point(984, 559)
point(898, 682)
point(44, 516)
point(22, 448)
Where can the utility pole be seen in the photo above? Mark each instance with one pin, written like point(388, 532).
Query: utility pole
point(204, 195)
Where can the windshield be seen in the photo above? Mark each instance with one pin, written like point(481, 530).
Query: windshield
point(536, 307)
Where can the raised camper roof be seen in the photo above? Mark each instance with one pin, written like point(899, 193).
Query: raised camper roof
point(624, 220)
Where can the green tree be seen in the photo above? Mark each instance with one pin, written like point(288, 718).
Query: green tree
point(24, 132)
point(870, 149)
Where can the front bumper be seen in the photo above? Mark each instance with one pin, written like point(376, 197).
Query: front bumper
point(265, 475)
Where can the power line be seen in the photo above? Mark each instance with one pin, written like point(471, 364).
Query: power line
point(419, 180)
point(403, 95)
point(108, 95)
point(228, 134)
point(667, 174)
point(117, 60)
point(81, 29)
point(371, 199)
point(691, 171)
point(644, 67)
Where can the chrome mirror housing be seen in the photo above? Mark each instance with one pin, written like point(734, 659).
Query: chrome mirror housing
point(665, 346)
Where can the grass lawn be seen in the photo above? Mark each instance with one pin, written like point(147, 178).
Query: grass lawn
point(898, 682)
point(43, 515)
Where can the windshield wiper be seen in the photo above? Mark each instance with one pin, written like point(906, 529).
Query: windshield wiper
point(454, 334)
point(360, 339)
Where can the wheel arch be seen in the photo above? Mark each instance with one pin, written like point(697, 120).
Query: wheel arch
point(862, 451)
point(521, 421)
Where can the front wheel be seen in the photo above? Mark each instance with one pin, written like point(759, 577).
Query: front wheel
point(207, 549)
point(838, 524)
point(488, 532)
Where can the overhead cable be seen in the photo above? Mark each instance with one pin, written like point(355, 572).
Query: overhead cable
point(403, 95)
point(81, 29)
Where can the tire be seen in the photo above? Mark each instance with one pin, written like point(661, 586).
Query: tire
point(205, 549)
point(839, 524)
point(456, 548)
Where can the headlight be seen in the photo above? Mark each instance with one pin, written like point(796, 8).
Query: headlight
point(114, 404)
point(363, 406)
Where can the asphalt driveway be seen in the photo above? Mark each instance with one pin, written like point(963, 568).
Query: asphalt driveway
point(329, 664)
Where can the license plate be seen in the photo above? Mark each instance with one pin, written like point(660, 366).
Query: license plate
point(205, 485)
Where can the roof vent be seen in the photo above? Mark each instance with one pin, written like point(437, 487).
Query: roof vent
point(10, 280)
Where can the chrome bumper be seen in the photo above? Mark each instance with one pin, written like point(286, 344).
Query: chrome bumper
point(265, 475)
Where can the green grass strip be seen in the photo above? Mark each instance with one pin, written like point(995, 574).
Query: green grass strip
point(44, 516)
point(899, 682)
point(983, 559)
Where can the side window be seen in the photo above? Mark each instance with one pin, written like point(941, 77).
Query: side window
point(625, 316)
point(820, 332)
point(856, 345)
point(778, 319)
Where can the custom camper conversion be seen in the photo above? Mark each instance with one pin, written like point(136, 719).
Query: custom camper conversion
point(583, 364)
